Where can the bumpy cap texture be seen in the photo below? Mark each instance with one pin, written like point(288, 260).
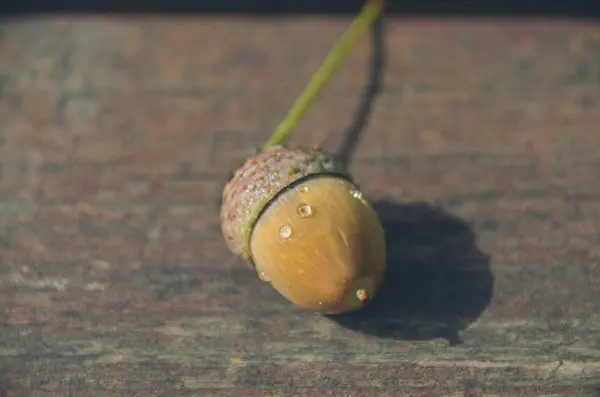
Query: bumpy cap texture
point(258, 181)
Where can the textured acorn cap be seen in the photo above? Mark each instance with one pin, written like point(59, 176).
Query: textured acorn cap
point(298, 218)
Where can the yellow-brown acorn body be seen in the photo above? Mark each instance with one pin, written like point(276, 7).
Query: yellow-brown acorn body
point(299, 219)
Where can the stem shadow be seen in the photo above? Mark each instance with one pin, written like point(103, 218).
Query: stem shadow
point(438, 282)
point(352, 136)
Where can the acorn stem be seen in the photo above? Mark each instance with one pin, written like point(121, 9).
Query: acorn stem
point(363, 21)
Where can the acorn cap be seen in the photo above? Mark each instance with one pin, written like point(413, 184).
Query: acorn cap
point(258, 181)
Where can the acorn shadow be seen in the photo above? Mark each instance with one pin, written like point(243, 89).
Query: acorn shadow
point(438, 282)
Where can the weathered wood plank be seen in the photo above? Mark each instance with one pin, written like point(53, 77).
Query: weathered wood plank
point(481, 155)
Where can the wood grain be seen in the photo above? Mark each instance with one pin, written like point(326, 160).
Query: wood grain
point(482, 155)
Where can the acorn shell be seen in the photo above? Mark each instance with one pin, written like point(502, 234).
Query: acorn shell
point(299, 219)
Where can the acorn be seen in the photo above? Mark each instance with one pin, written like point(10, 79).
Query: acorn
point(298, 218)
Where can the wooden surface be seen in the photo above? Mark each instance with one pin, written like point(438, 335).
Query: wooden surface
point(482, 153)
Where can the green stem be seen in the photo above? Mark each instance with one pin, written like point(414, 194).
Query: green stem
point(370, 12)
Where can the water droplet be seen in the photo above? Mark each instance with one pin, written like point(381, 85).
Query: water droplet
point(303, 189)
point(305, 210)
point(357, 194)
point(300, 271)
point(263, 276)
point(362, 295)
point(285, 231)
